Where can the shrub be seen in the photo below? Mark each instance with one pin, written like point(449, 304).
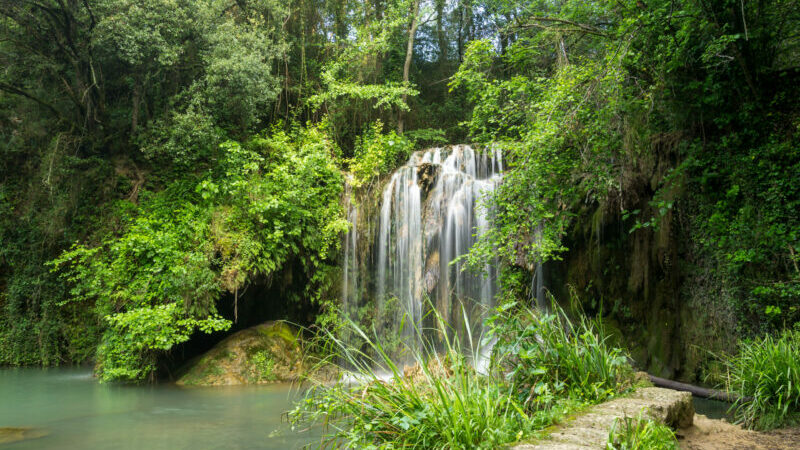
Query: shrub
point(547, 356)
point(271, 202)
point(766, 375)
point(263, 367)
point(640, 433)
point(378, 153)
point(128, 350)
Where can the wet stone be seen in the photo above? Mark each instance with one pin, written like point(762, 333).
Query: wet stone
point(590, 429)
point(15, 434)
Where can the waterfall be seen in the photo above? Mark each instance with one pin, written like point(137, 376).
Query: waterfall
point(350, 292)
point(538, 298)
point(429, 216)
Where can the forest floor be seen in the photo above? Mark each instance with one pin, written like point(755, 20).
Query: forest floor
point(710, 434)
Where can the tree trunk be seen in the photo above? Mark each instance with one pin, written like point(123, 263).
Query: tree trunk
point(465, 31)
point(697, 391)
point(135, 107)
point(412, 31)
point(440, 32)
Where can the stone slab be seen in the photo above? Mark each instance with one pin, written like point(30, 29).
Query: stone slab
point(590, 429)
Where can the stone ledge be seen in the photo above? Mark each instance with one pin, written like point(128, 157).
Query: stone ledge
point(590, 429)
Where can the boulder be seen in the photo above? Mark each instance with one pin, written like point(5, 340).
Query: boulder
point(266, 353)
point(15, 434)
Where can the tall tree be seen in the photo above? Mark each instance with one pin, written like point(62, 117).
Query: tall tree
point(412, 32)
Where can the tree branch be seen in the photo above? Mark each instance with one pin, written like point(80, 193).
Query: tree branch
point(590, 29)
point(16, 91)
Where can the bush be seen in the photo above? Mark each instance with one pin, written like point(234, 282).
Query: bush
point(157, 278)
point(378, 153)
point(640, 433)
point(263, 367)
point(766, 375)
point(546, 356)
point(128, 350)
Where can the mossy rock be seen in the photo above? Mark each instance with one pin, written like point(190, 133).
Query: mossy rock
point(15, 434)
point(266, 353)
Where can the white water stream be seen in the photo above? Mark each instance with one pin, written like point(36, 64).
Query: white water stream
point(430, 214)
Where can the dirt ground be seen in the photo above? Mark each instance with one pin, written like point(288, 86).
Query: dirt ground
point(708, 434)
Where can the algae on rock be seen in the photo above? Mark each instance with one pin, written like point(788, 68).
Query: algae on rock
point(16, 434)
point(265, 353)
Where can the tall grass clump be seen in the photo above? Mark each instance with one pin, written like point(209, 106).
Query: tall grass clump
point(634, 433)
point(543, 367)
point(439, 401)
point(547, 356)
point(766, 375)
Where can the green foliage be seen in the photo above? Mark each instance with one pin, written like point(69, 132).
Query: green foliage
point(633, 433)
point(128, 350)
point(565, 139)
point(671, 109)
point(441, 402)
point(547, 357)
point(425, 137)
point(752, 226)
point(377, 153)
point(38, 219)
point(89, 87)
point(270, 201)
point(263, 367)
point(354, 87)
point(766, 375)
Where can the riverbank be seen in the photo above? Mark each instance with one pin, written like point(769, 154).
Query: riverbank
point(712, 434)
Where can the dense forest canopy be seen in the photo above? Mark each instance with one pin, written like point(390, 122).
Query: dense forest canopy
point(159, 157)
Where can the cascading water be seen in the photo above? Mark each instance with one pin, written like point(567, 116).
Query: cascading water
point(429, 216)
point(350, 292)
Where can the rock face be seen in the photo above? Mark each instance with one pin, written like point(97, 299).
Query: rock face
point(266, 353)
point(590, 429)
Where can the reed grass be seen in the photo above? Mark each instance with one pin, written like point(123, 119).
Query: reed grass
point(766, 375)
point(439, 400)
point(635, 433)
point(548, 356)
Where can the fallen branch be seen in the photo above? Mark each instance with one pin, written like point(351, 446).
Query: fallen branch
point(696, 390)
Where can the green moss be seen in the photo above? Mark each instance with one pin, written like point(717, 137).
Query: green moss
point(15, 434)
point(265, 353)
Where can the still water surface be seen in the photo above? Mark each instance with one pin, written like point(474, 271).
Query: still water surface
point(77, 412)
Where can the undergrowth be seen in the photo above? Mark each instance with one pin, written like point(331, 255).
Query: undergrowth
point(548, 356)
point(633, 433)
point(766, 375)
point(442, 401)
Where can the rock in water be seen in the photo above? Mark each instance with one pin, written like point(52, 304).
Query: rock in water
point(266, 353)
point(14, 434)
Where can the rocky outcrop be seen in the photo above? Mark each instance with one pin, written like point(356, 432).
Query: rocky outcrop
point(266, 353)
point(590, 430)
